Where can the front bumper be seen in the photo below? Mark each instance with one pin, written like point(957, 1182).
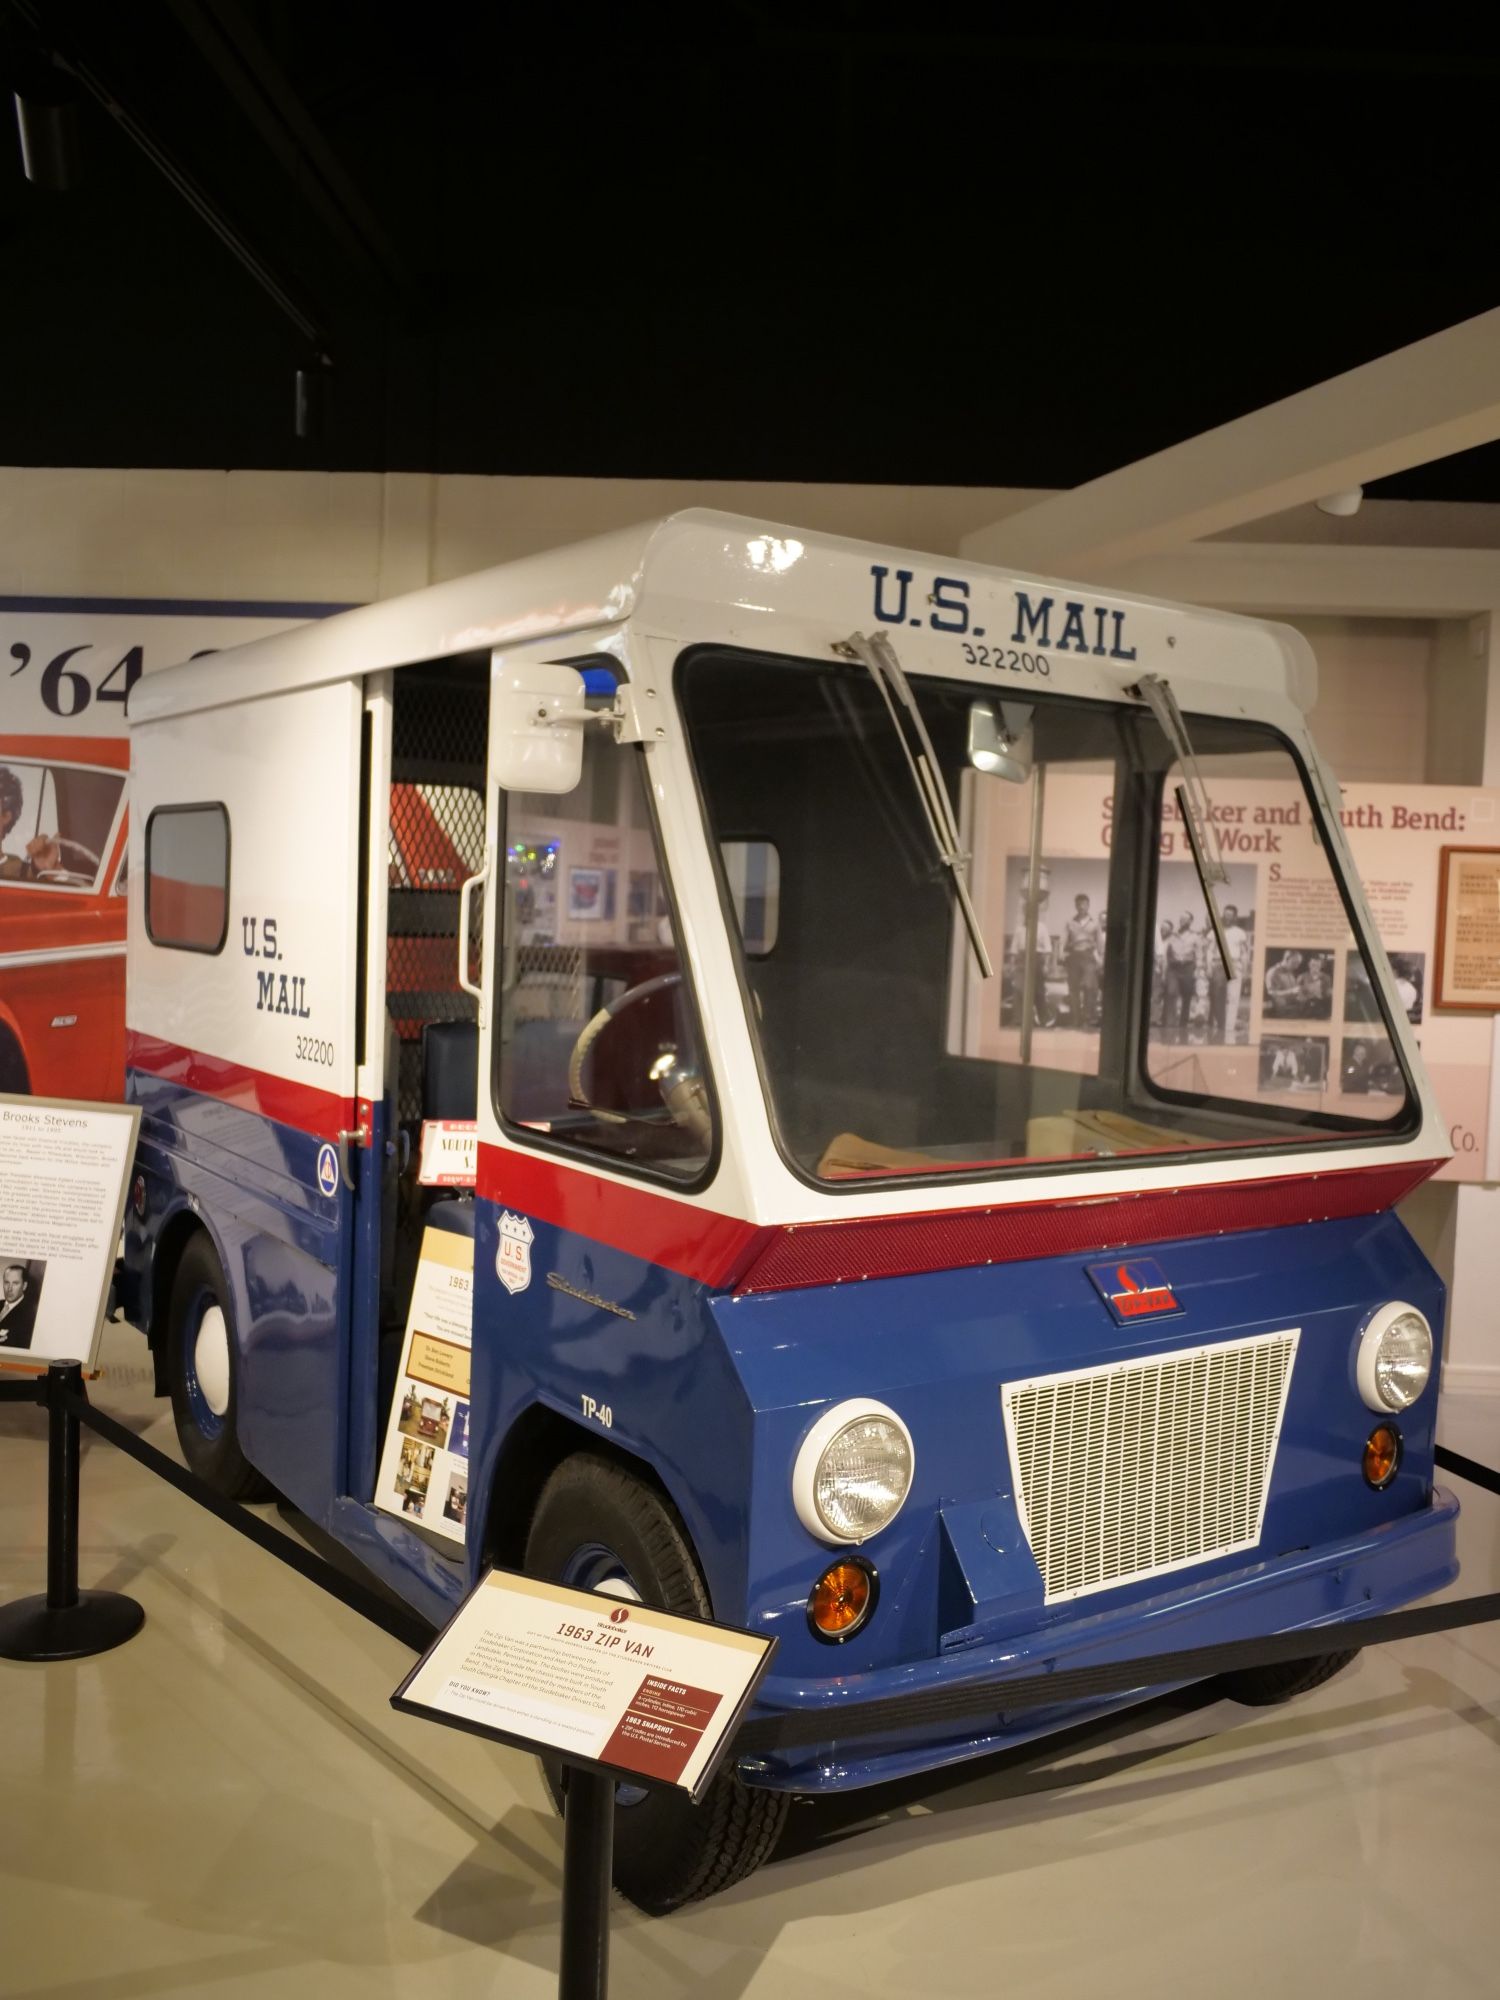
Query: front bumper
point(1357, 1578)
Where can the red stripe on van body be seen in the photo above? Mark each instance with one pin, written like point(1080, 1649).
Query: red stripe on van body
point(727, 1254)
point(698, 1242)
point(323, 1113)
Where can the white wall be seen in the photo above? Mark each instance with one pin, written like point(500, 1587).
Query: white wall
point(350, 537)
point(1371, 717)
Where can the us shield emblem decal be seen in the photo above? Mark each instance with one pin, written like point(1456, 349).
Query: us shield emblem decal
point(513, 1258)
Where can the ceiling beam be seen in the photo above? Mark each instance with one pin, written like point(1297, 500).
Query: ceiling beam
point(1298, 579)
point(1424, 402)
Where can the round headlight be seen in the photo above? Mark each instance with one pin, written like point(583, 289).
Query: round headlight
point(1395, 1358)
point(853, 1472)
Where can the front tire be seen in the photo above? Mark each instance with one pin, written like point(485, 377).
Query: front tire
point(597, 1526)
point(202, 1370)
point(1268, 1687)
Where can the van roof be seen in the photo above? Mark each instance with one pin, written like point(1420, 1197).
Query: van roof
point(698, 559)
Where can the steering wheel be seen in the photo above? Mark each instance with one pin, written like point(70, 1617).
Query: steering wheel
point(682, 1088)
point(66, 877)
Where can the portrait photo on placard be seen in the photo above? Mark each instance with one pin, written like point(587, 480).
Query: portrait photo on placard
point(1200, 994)
point(21, 1281)
point(1071, 921)
point(414, 1475)
point(1408, 969)
point(1368, 1067)
point(1293, 1062)
point(425, 1416)
point(1298, 985)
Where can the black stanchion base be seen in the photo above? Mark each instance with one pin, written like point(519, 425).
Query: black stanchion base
point(31, 1629)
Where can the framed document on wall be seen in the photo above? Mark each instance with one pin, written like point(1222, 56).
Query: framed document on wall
point(1468, 930)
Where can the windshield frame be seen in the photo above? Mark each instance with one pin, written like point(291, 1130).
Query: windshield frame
point(1399, 1130)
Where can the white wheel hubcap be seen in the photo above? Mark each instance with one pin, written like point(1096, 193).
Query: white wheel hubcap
point(211, 1359)
point(616, 1586)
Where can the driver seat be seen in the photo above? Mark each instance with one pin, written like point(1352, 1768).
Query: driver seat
point(450, 1069)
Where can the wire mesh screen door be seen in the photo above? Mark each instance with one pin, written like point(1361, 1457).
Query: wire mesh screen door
point(437, 840)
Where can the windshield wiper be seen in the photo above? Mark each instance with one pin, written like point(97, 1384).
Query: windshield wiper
point(1192, 803)
point(878, 656)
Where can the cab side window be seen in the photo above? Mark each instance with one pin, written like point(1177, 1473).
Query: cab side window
point(598, 1043)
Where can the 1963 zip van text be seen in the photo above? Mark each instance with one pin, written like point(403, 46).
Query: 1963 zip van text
point(893, 1228)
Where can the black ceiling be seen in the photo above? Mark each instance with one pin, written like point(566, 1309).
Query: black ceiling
point(826, 242)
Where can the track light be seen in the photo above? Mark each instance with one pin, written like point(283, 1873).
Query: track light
point(311, 398)
point(47, 115)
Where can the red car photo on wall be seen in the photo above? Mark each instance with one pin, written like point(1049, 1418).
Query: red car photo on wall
point(62, 915)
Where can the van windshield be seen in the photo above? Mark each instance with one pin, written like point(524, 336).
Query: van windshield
point(1114, 1025)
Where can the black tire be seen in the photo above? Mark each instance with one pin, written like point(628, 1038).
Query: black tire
point(1265, 1687)
point(210, 1443)
point(667, 1851)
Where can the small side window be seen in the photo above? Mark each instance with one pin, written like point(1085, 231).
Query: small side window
point(187, 877)
point(753, 871)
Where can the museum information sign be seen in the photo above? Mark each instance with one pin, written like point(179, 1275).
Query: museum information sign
point(63, 1169)
point(424, 1469)
point(1299, 1019)
point(618, 1686)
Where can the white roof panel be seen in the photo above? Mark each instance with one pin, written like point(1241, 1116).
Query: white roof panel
point(701, 574)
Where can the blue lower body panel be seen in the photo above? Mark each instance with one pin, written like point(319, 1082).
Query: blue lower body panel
point(1379, 1571)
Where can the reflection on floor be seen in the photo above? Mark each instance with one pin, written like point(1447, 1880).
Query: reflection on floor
point(229, 1806)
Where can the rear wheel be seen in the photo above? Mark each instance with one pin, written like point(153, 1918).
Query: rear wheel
point(202, 1369)
point(1265, 1687)
point(598, 1527)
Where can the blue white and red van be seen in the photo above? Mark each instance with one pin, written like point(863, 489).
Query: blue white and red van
point(888, 1233)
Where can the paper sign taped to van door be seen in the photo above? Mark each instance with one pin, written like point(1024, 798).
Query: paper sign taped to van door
point(424, 1468)
point(450, 1152)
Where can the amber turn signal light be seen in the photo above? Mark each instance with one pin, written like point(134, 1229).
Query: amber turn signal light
point(1382, 1455)
point(842, 1599)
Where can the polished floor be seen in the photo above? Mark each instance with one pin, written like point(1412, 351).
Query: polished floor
point(228, 1806)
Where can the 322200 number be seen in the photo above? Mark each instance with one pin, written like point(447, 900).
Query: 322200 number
point(1006, 660)
point(310, 1050)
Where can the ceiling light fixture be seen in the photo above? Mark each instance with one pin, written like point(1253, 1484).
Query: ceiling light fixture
point(1341, 504)
point(47, 117)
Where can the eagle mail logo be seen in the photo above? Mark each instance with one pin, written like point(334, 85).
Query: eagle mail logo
point(1134, 1288)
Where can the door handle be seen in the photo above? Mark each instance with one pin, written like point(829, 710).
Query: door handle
point(346, 1169)
point(464, 895)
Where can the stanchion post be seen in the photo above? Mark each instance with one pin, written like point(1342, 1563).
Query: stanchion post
point(588, 1867)
point(68, 1623)
point(64, 1382)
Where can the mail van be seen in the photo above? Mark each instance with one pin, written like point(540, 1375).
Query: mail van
point(904, 1221)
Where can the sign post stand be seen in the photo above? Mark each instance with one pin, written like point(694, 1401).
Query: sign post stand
point(616, 1690)
point(67, 1623)
point(588, 1865)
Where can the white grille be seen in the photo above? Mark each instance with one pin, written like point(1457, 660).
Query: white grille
point(1147, 1466)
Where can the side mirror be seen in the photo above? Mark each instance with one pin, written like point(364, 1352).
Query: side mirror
point(1001, 745)
point(536, 725)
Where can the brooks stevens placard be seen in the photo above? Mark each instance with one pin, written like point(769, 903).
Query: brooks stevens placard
point(63, 1169)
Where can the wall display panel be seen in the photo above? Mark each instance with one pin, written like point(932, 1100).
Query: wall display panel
point(1299, 1019)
